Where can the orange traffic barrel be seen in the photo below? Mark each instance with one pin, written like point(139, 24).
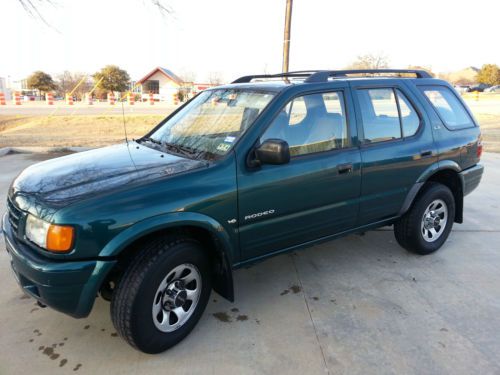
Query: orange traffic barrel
point(17, 98)
point(50, 98)
point(131, 98)
point(69, 99)
point(111, 98)
point(151, 98)
point(2, 98)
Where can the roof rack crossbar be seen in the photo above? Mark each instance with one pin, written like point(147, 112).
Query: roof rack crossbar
point(323, 75)
point(299, 73)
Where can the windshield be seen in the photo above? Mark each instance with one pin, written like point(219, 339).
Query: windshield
point(211, 123)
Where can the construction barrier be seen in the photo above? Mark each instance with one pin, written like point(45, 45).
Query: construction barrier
point(175, 99)
point(69, 99)
point(131, 98)
point(111, 98)
point(89, 99)
point(151, 98)
point(16, 97)
point(2, 98)
point(49, 98)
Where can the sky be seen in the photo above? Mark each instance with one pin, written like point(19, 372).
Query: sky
point(236, 37)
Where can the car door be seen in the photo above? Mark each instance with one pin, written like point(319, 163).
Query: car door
point(396, 146)
point(316, 194)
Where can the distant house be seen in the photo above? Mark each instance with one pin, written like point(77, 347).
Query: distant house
point(163, 84)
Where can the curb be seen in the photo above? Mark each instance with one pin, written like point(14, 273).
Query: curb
point(42, 150)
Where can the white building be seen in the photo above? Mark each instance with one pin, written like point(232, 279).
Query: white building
point(5, 89)
point(162, 83)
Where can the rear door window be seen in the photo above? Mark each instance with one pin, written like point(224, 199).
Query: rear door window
point(379, 111)
point(448, 106)
point(410, 120)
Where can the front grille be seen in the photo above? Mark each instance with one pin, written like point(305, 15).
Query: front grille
point(14, 214)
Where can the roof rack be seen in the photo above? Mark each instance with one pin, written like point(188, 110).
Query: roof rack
point(323, 75)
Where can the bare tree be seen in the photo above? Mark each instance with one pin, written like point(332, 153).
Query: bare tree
point(370, 61)
point(32, 7)
point(187, 76)
point(67, 81)
point(215, 78)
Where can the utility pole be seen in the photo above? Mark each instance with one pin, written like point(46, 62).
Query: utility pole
point(286, 36)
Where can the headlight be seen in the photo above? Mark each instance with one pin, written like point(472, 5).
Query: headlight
point(56, 238)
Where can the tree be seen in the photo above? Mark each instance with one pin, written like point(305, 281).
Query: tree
point(32, 8)
point(370, 61)
point(420, 67)
point(67, 81)
point(489, 74)
point(41, 81)
point(113, 79)
point(215, 78)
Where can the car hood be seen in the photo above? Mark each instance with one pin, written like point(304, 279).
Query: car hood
point(62, 181)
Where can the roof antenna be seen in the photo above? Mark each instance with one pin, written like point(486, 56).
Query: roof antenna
point(124, 124)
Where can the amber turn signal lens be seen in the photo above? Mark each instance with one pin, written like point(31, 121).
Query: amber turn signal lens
point(59, 238)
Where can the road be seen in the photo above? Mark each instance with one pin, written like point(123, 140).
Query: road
point(357, 305)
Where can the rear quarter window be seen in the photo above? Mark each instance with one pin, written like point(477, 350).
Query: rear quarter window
point(449, 108)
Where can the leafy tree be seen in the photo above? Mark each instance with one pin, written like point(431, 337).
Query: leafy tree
point(41, 81)
point(489, 74)
point(370, 61)
point(113, 79)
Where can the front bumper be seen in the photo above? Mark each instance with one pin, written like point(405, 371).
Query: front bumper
point(66, 286)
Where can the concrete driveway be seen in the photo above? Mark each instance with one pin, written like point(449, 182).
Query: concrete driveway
point(358, 305)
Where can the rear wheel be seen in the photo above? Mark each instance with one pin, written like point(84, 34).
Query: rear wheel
point(426, 226)
point(162, 294)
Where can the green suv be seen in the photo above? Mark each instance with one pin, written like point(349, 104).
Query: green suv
point(242, 172)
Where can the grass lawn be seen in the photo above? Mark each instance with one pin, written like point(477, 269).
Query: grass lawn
point(83, 130)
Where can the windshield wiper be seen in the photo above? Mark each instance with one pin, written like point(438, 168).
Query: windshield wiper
point(149, 139)
point(181, 149)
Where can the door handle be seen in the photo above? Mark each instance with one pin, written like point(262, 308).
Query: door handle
point(426, 153)
point(344, 168)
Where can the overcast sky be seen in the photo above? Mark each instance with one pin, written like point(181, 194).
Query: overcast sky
point(238, 37)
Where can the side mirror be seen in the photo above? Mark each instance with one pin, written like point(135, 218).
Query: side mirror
point(272, 151)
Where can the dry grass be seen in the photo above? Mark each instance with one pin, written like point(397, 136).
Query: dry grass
point(490, 129)
point(58, 131)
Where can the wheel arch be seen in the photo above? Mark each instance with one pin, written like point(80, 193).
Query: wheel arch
point(444, 172)
point(204, 229)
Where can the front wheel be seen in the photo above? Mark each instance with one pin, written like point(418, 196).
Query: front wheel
point(426, 226)
point(162, 294)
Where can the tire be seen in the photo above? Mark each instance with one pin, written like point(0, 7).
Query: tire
point(434, 208)
point(156, 283)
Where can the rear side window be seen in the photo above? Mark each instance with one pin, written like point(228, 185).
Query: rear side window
point(409, 117)
point(449, 108)
point(379, 111)
point(387, 114)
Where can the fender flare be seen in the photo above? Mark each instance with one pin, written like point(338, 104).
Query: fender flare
point(426, 174)
point(223, 285)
